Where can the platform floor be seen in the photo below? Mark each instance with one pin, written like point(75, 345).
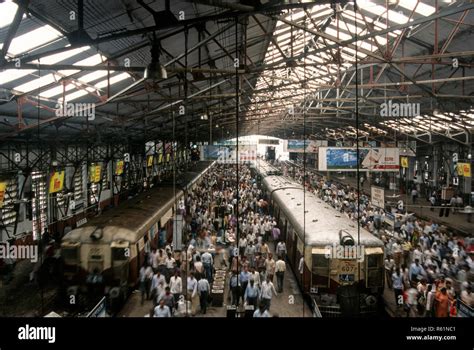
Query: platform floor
point(290, 303)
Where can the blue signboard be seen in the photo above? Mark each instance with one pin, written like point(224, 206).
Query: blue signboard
point(344, 158)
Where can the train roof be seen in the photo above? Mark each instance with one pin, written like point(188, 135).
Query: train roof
point(132, 218)
point(266, 169)
point(322, 222)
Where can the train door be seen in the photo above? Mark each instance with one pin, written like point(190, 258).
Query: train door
point(270, 153)
point(290, 243)
point(120, 256)
point(320, 269)
point(138, 259)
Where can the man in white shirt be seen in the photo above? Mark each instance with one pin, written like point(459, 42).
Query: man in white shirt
point(417, 255)
point(250, 253)
point(176, 286)
point(266, 293)
point(242, 245)
point(389, 264)
point(153, 259)
point(281, 249)
point(170, 264)
point(261, 311)
point(301, 267)
point(280, 268)
point(191, 287)
point(208, 262)
point(254, 276)
point(203, 289)
point(157, 279)
point(162, 310)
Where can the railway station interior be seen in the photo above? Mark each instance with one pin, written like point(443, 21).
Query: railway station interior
point(236, 159)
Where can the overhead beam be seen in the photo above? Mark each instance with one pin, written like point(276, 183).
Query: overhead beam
point(447, 12)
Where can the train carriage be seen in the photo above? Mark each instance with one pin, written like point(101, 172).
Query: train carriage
point(343, 268)
point(113, 243)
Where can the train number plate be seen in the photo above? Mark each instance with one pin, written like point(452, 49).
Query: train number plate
point(346, 277)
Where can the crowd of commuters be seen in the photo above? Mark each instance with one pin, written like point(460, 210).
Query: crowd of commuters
point(180, 282)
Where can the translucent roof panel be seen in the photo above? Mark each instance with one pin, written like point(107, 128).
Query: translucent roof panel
point(33, 39)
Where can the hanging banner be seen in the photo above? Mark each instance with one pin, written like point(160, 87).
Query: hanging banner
point(160, 158)
point(464, 169)
point(368, 159)
point(168, 157)
point(56, 182)
point(119, 167)
point(377, 196)
point(94, 175)
point(149, 161)
point(404, 162)
point(3, 186)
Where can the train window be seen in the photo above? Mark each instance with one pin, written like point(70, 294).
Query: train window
point(372, 261)
point(119, 254)
point(320, 261)
point(374, 270)
point(70, 253)
point(320, 271)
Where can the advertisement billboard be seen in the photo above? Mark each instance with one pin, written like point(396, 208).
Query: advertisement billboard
point(464, 169)
point(56, 182)
point(301, 146)
point(368, 159)
point(227, 154)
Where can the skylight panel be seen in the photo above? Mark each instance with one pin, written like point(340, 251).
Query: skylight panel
point(7, 13)
point(102, 84)
point(79, 93)
point(371, 7)
point(14, 74)
point(422, 8)
point(91, 61)
point(61, 56)
point(333, 32)
point(85, 79)
point(283, 37)
point(295, 16)
point(33, 39)
point(36, 83)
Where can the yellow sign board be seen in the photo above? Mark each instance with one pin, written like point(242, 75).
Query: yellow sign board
point(404, 162)
point(464, 169)
point(56, 182)
point(94, 174)
point(119, 167)
point(168, 156)
point(149, 161)
point(3, 186)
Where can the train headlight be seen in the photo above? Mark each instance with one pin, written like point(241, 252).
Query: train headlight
point(371, 300)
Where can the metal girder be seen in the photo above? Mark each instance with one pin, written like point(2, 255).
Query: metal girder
point(224, 4)
point(447, 12)
point(269, 8)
